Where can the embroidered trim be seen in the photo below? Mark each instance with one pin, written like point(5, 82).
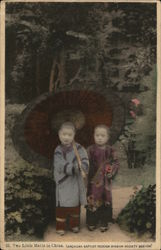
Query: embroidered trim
point(85, 163)
point(84, 158)
point(65, 168)
point(78, 146)
point(57, 153)
point(75, 215)
point(63, 179)
point(60, 219)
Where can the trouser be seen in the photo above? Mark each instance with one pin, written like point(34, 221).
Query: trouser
point(102, 215)
point(67, 214)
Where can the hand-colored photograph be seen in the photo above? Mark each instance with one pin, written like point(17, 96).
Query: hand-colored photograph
point(80, 121)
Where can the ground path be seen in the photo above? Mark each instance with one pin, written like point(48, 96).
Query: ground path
point(121, 197)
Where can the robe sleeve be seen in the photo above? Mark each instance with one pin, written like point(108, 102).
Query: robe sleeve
point(61, 166)
point(92, 171)
point(115, 163)
point(84, 158)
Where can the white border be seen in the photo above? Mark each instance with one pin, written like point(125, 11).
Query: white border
point(150, 245)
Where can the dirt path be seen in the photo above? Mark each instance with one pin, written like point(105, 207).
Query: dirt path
point(121, 197)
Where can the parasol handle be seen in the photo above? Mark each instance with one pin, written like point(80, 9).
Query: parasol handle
point(79, 161)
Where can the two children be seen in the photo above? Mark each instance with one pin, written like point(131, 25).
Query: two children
point(70, 164)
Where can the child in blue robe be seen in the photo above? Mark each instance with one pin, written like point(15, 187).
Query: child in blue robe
point(70, 188)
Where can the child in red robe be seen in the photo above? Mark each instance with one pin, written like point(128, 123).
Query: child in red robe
point(103, 167)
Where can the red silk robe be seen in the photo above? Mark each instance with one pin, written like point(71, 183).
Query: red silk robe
point(102, 161)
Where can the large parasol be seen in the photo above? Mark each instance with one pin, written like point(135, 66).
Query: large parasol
point(35, 132)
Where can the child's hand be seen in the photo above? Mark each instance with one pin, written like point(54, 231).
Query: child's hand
point(109, 176)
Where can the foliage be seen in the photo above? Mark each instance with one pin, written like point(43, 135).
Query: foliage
point(145, 125)
point(27, 199)
point(29, 190)
point(139, 135)
point(124, 55)
point(114, 50)
point(139, 215)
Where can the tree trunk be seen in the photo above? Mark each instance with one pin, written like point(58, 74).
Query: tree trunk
point(37, 82)
point(58, 72)
point(51, 82)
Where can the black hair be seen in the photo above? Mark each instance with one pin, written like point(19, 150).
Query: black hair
point(103, 126)
point(68, 125)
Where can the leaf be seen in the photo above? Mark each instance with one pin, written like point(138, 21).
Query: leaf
point(15, 215)
point(28, 174)
point(37, 196)
point(148, 225)
point(31, 231)
point(142, 210)
point(17, 187)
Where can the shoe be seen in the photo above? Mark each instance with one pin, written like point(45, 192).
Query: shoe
point(60, 232)
point(75, 229)
point(91, 228)
point(103, 229)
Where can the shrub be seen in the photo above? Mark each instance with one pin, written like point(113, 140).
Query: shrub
point(27, 199)
point(139, 215)
point(29, 190)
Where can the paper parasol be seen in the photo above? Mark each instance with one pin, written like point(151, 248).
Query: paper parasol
point(35, 132)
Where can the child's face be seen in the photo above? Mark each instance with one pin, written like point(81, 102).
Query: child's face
point(66, 136)
point(101, 136)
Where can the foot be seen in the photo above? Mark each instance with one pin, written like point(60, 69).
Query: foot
point(91, 228)
point(75, 229)
point(60, 232)
point(103, 229)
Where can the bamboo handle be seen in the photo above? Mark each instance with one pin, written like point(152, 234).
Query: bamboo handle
point(79, 161)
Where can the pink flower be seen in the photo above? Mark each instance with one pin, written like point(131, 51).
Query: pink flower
point(132, 113)
point(135, 101)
